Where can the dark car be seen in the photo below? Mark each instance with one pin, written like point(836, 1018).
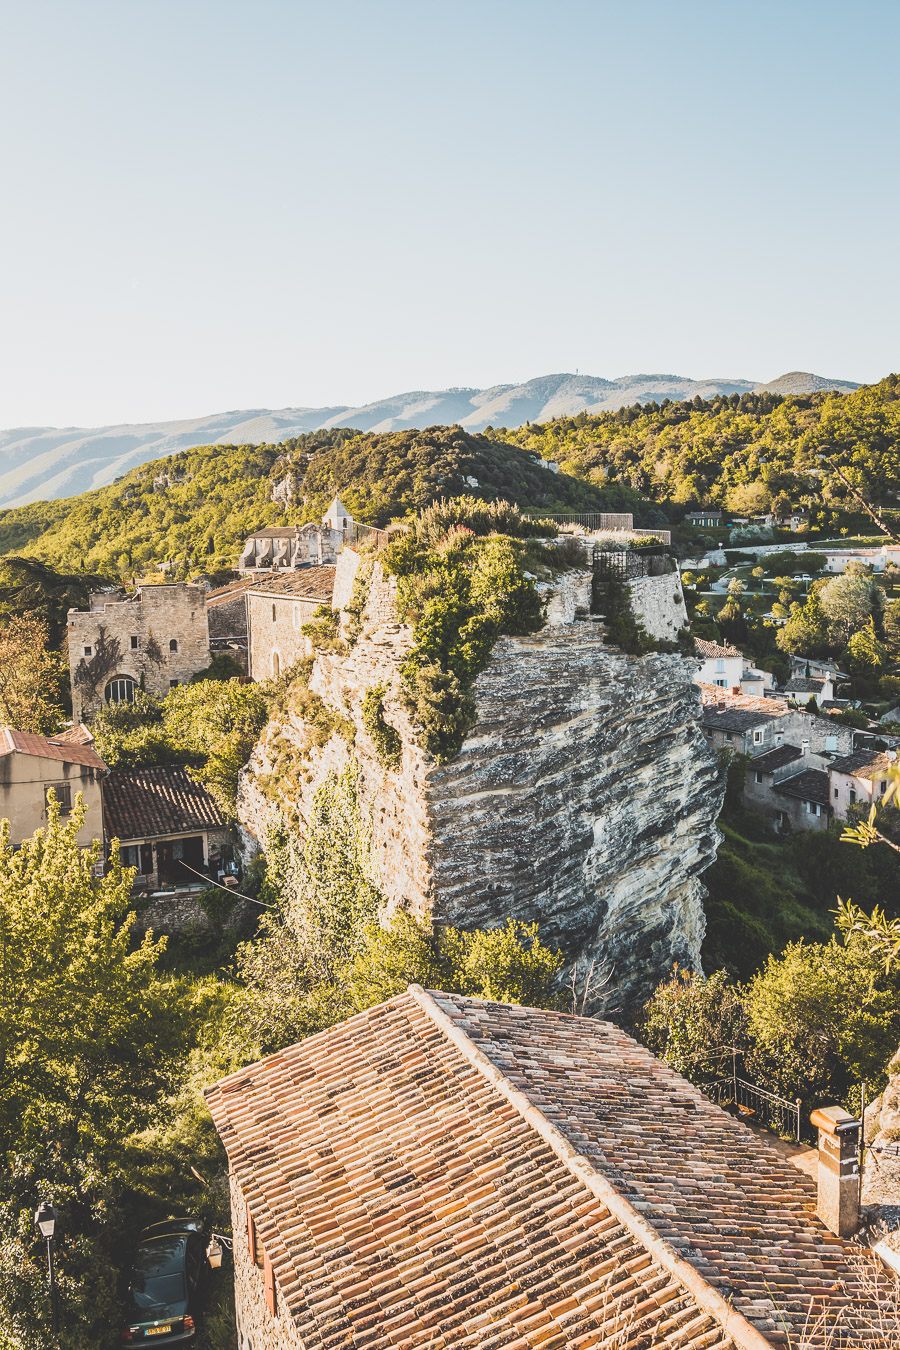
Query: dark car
point(168, 1283)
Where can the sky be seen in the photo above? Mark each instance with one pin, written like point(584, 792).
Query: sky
point(219, 204)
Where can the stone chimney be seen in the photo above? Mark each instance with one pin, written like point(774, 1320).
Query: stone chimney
point(838, 1195)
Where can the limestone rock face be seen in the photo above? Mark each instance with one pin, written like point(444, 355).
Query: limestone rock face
point(585, 798)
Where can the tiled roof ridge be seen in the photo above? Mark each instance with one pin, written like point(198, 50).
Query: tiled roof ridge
point(742, 1332)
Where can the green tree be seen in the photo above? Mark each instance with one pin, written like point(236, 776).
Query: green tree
point(90, 1040)
point(864, 651)
point(850, 600)
point(696, 1024)
point(824, 1016)
point(806, 631)
point(892, 629)
point(30, 677)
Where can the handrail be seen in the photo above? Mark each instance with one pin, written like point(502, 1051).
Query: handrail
point(740, 1087)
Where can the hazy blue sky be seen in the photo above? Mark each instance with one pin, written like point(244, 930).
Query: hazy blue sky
point(214, 204)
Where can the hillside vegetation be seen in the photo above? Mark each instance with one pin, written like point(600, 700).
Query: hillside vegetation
point(197, 507)
point(707, 451)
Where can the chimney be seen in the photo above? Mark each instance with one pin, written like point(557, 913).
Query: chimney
point(838, 1194)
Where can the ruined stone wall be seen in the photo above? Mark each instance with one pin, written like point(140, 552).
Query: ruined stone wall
point(145, 628)
point(584, 798)
point(659, 604)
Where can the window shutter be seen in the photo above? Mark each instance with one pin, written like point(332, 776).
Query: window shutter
point(269, 1280)
point(251, 1236)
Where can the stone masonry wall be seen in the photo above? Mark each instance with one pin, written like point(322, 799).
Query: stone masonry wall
point(257, 1329)
point(585, 797)
point(274, 623)
point(144, 626)
point(659, 604)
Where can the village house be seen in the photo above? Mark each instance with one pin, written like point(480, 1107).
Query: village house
point(858, 779)
point(879, 558)
point(446, 1171)
point(168, 827)
point(226, 613)
point(801, 688)
point(703, 519)
point(719, 666)
point(153, 640)
point(744, 725)
point(32, 766)
point(277, 609)
point(803, 801)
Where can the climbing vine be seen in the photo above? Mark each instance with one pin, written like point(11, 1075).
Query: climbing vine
point(385, 737)
point(359, 595)
point(461, 584)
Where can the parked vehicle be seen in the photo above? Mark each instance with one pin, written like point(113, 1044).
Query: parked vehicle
point(168, 1284)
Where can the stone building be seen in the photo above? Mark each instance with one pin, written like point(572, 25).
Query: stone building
point(277, 609)
point(168, 826)
point(283, 547)
point(32, 765)
point(154, 639)
point(858, 779)
point(441, 1171)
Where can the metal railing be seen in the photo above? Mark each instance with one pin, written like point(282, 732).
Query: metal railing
point(630, 564)
point(356, 533)
point(615, 522)
point(774, 1112)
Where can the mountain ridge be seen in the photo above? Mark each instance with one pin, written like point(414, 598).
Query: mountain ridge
point(45, 463)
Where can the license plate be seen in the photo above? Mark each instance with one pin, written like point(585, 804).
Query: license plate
point(158, 1331)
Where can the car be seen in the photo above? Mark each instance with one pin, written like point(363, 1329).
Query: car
point(168, 1284)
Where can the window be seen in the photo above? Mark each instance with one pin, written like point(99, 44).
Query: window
point(757, 737)
point(831, 745)
point(276, 665)
point(720, 665)
point(173, 645)
point(63, 794)
point(883, 786)
point(728, 736)
point(813, 809)
point(174, 683)
point(852, 796)
point(721, 683)
point(273, 613)
point(298, 616)
point(121, 689)
point(130, 856)
point(837, 792)
point(758, 777)
point(134, 643)
point(88, 651)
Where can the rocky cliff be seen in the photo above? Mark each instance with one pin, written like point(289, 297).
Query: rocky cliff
point(584, 798)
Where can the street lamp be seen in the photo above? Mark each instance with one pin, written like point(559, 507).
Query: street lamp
point(45, 1223)
point(214, 1251)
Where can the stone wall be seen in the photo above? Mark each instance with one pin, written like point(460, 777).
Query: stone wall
point(257, 1329)
point(659, 604)
point(275, 640)
point(584, 798)
point(162, 636)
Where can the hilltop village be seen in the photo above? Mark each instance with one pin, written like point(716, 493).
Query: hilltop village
point(462, 802)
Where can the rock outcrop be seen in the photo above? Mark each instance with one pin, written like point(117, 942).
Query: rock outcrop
point(584, 798)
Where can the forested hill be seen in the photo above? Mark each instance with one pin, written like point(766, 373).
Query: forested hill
point(705, 451)
point(198, 506)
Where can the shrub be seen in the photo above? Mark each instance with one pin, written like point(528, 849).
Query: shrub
point(385, 737)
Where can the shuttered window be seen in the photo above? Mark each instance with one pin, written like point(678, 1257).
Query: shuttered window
point(269, 1281)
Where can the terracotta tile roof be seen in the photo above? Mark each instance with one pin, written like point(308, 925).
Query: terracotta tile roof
point(776, 759)
point(306, 583)
point(863, 764)
point(723, 717)
point(707, 649)
point(48, 747)
point(812, 785)
point(77, 734)
point(712, 693)
point(157, 802)
point(497, 1177)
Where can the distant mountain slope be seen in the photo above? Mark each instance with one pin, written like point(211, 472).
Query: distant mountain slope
point(801, 382)
point(42, 463)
